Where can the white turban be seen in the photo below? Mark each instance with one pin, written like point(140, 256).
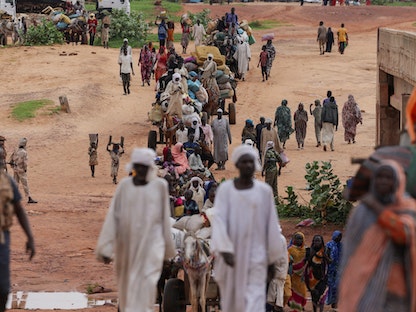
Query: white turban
point(219, 110)
point(143, 156)
point(246, 150)
point(209, 55)
point(249, 142)
point(176, 78)
point(200, 182)
point(268, 120)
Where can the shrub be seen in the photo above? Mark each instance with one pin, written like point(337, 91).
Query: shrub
point(44, 34)
point(202, 16)
point(132, 26)
point(289, 206)
point(327, 201)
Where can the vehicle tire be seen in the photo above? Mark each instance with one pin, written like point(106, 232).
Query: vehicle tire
point(152, 139)
point(174, 296)
point(231, 113)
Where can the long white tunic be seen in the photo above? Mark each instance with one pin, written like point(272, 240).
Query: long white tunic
point(245, 224)
point(136, 232)
point(242, 55)
point(198, 33)
point(222, 135)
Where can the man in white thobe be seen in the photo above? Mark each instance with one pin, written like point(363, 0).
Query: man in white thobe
point(245, 236)
point(137, 233)
point(243, 56)
point(198, 33)
point(222, 135)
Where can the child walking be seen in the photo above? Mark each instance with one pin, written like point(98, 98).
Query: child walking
point(264, 58)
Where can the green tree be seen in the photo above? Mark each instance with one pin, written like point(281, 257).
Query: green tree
point(132, 26)
point(327, 201)
point(202, 16)
point(44, 34)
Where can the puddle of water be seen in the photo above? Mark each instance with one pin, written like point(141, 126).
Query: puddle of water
point(53, 300)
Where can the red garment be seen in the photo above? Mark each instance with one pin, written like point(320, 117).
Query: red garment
point(264, 56)
point(92, 26)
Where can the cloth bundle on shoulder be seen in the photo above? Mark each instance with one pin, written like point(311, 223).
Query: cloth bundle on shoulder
point(190, 223)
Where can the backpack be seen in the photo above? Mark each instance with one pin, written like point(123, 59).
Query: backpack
point(6, 206)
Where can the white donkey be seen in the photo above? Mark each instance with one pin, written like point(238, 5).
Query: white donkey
point(197, 264)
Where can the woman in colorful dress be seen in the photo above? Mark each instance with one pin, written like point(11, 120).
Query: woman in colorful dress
point(161, 63)
point(351, 117)
point(145, 62)
point(297, 255)
point(316, 273)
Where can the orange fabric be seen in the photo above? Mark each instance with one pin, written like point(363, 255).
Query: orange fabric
point(360, 268)
point(411, 116)
point(396, 282)
point(393, 226)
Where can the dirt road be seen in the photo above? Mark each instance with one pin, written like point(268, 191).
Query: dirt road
point(72, 205)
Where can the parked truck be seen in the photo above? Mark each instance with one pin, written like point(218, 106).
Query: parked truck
point(7, 9)
point(109, 5)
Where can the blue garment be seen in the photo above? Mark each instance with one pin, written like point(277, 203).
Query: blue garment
point(162, 31)
point(334, 250)
point(189, 147)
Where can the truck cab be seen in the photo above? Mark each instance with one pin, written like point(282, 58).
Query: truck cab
point(8, 6)
point(112, 4)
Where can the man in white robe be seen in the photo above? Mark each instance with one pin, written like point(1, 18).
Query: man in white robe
point(222, 135)
point(137, 233)
point(198, 33)
point(245, 236)
point(243, 56)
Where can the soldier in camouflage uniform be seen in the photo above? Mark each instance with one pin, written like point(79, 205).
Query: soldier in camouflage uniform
point(19, 162)
point(10, 204)
point(270, 161)
point(115, 154)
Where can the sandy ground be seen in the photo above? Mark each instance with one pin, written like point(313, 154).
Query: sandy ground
point(71, 207)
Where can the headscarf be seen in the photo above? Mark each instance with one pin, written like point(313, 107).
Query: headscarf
point(196, 127)
point(176, 78)
point(193, 74)
point(368, 251)
point(250, 122)
point(298, 253)
point(180, 158)
point(284, 102)
point(146, 157)
point(246, 150)
point(249, 142)
point(200, 184)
